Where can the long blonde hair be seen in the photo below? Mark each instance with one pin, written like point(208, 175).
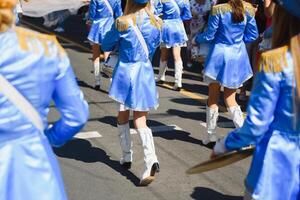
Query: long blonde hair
point(286, 31)
point(7, 16)
point(132, 8)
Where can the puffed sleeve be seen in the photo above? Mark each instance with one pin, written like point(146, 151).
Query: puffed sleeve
point(70, 102)
point(185, 10)
point(251, 31)
point(209, 34)
point(92, 9)
point(158, 7)
point(260, 112)
point(118, 9)
point(111, 39)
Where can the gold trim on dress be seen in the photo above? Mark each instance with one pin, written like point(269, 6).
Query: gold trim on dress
point(223, 8)
point(273, 60)
point(28, 40)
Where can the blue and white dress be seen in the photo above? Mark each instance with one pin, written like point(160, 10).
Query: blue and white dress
point(273, 126)
point(174, 12)
point(102, 18)
point(37, 66)
point(227, 61)
point(133, 82)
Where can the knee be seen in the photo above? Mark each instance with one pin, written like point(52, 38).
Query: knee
point(123, 117)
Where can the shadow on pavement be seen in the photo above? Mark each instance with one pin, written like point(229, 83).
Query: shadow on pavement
point(202, 193)
point(188, 101)
point(84, 84)
point(168, 135)
point(110, 120)
point(82, 150)
point(198, 116)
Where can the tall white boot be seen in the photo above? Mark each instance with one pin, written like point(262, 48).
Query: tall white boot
point(126, 145)
point(162, 71)
point(178, 75)
point(97, 75)
point(151, 162)
point(212, 115)
point(236, 116)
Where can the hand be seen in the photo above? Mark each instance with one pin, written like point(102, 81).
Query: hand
point(219, 147)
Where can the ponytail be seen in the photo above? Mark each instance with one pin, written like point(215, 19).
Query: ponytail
point(238, 10)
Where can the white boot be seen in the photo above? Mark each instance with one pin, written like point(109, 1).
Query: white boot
point(151, 162)
point(178, 75)
point(126, 145)
point(162, 71)
point(97, 75)
point(236, 116)
point(212, 115)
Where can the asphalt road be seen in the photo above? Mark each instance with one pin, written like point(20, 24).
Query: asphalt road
point(90, 163)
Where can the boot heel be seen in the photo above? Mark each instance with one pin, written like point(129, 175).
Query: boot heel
point(154, 169)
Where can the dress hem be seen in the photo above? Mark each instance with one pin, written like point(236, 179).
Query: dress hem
point(224, 85)
point(134, 109)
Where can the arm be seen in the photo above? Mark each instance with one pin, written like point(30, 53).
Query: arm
point(70, 102)
point(209, 34)
point(158, 7)
point(111, 39)
point(260, 112)
point(92, 9)
point(251, 31)
point(185, 10)
point(118, 9)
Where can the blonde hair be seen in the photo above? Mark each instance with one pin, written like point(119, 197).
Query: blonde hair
point(286, 31)
point(7, 16)
point(132, 8)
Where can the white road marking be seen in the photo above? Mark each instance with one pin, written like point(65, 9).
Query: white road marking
point(88, 135)
point(157, 129)
point(221, 124)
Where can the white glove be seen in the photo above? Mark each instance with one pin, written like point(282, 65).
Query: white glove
point(219, 147)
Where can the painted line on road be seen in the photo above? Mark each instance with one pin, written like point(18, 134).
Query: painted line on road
point(88, 135)
point(158, 129)
point(58, 36)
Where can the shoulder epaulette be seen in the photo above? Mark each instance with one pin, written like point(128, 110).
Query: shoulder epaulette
point(122, 23)
point(274, 60)
point(249, 8)
point(221, 8)
point(28, 37)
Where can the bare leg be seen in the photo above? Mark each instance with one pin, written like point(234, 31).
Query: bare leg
point(213, 95)
point(106, 54)
point(229, 97)
point(123, 117)
point(140, 119)
point(96, 63)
